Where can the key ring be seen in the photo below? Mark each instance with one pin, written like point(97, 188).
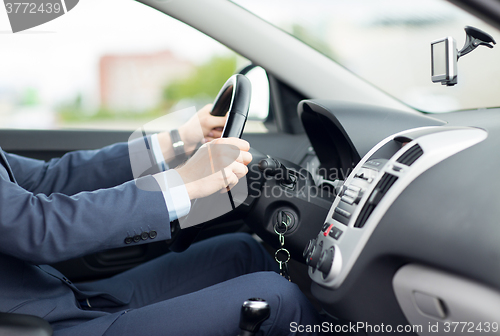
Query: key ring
point(278, 251)
point(276, 228)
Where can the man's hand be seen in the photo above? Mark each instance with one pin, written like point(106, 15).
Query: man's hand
point(202, 127)
point(211, 126)
point(202, 174)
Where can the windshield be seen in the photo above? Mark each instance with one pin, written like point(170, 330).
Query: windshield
point(387, 43)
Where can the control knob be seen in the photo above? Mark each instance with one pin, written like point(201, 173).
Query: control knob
point(309, 247)
point(314, 255)
point(326, 261)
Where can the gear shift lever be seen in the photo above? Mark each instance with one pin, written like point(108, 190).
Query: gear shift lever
point(253, 313)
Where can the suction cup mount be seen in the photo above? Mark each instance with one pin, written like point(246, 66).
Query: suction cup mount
point(475, 38)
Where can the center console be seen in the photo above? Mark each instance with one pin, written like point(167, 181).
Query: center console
point(371, 188)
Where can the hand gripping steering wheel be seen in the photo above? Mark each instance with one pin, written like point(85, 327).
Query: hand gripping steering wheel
point(233, 99)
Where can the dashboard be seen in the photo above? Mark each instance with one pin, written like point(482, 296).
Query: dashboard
point(411, 236)
point(372, 188)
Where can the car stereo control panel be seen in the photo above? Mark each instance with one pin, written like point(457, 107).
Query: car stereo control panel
point(371, 188)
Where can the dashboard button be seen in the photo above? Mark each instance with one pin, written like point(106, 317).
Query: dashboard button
point(342, 212)
point(351, 193)
point(335, 233)
point(354, 188)
point(325, 227)
point(328, 230)
point(348, 200)
point(340, 218)
point(361, 176)
point(373, 163)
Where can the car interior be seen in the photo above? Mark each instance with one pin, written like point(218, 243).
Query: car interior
point(390, 211)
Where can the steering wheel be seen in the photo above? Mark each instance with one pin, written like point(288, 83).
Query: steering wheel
point(233, 99)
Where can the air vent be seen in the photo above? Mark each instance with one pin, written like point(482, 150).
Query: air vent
point(377, 194)
point(411, 155)
point(363, 215)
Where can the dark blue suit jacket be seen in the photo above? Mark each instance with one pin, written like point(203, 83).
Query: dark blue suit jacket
point(82, 203)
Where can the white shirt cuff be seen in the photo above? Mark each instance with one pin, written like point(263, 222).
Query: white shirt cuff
point(175, 193)
point(160, 160)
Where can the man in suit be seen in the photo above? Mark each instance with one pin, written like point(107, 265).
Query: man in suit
point(88, 201)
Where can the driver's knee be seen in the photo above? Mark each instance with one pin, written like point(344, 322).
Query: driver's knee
point(245, 252)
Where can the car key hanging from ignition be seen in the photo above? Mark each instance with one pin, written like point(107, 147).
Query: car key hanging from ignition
point(282, 255)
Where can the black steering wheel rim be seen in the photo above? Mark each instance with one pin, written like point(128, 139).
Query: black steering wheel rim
point(233, 99)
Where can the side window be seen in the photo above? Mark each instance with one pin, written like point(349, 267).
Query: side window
point(117, 70)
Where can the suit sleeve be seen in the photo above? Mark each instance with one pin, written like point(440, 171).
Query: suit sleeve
point(84, 170)
point(45, 229)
